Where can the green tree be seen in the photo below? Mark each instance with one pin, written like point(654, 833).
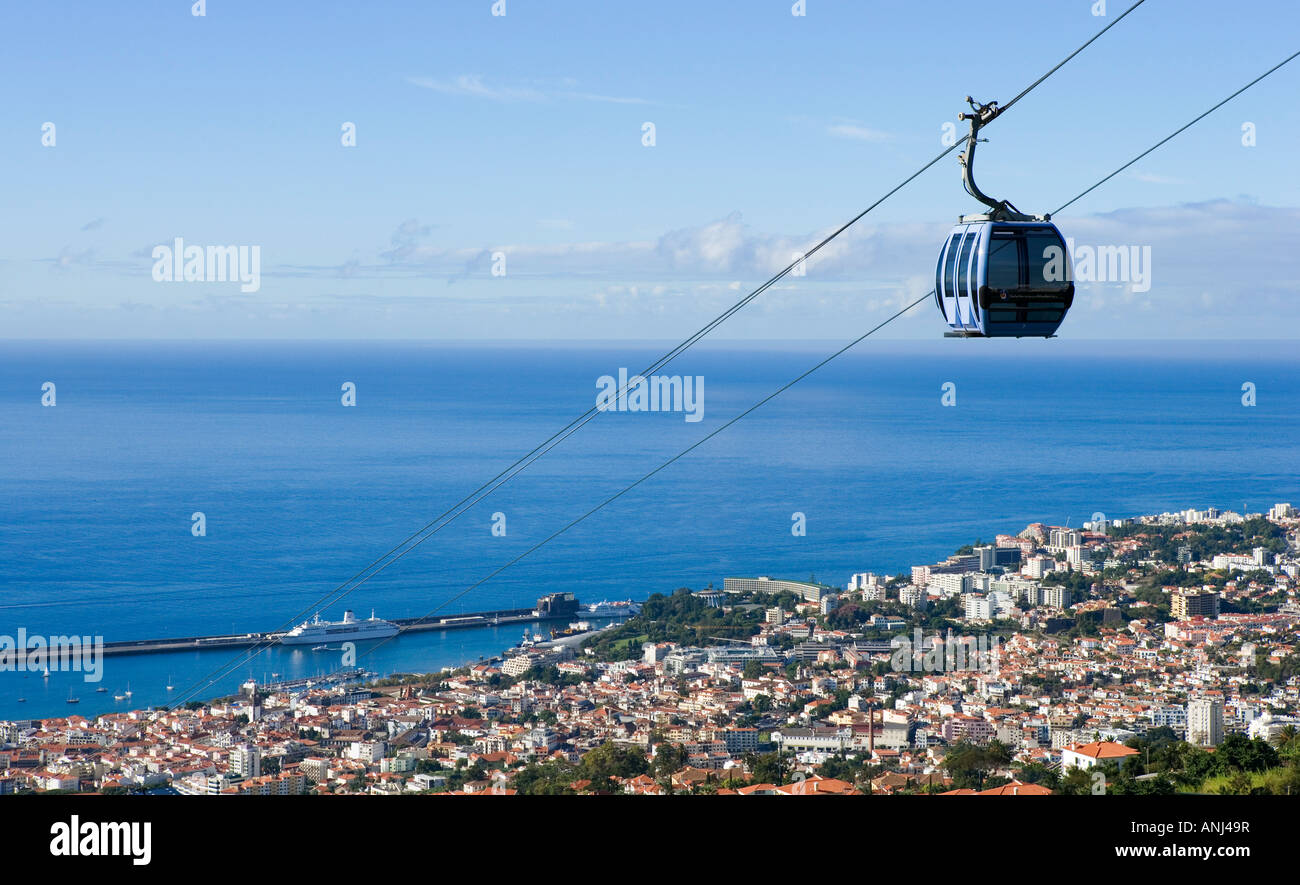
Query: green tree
point(613, 760)
point(668, 759)
point(767, 768)
point(1075, 782)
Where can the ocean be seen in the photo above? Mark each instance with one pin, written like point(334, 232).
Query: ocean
point(299, 492)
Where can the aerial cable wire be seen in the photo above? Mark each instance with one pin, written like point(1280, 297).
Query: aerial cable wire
point(808, 372)
point(1179, 131)
point(451, 514)
point(675, 458)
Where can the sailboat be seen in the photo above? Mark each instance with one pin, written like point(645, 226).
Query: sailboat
point(71, 699)
point(128, 690)
point(169, 683)
point(119, 697)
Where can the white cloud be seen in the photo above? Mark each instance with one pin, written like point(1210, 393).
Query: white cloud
point(474, 86)
point(856, 132)
point(1223, 268)
point(611, 99)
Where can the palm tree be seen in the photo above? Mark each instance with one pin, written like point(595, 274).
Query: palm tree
point(1287, 741)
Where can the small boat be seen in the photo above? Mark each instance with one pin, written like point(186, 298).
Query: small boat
point(119, 697)
point(100, 690)
point(22, 700)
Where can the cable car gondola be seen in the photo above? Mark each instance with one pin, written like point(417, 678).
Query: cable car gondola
point(1001, 273)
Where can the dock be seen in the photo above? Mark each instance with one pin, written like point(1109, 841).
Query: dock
point(549, 608)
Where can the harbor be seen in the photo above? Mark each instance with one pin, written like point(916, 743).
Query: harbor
point(134, 671)
point(552, 607)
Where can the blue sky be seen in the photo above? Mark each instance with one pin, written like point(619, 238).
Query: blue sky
point(523, 134)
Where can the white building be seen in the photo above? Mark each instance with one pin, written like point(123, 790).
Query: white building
point(913, 596)
point(865, 581)
point(246, 761)
point(1205, 722)
point(366, 751)
point(1170, 716)
point(1063, 539)
point(978, 607)
point(1088, 755)
point(1266, 726)
point(950, 584)
point(1281, 511)
point(1037, 567)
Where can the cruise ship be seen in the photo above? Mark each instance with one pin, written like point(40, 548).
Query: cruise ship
point(623, 609)
point(349, 629)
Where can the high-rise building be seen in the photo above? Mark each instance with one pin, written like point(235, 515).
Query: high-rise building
point(1037, 567)
point(1170, 716)
point(1056, 596)
point(1000, 556)
point(913, 596)
point(950, 584)
point(1062, 539)
point(1281, 511)
point(1029, 592)
point(1205, 722)
point(1194, 603)
point(978, 607)
point(865, 581)
point(246, 761)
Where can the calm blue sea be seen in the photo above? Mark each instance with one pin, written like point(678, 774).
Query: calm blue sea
point(299, 492)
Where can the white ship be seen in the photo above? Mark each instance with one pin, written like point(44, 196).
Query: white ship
point(316, 631)
point(604, 609)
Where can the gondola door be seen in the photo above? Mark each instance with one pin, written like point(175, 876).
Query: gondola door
point(962, 279)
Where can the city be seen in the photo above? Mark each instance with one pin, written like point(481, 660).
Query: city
point(1154, 654)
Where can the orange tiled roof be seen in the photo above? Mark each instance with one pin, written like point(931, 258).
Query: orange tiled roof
point(1103, 750)
point(1015, 788)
